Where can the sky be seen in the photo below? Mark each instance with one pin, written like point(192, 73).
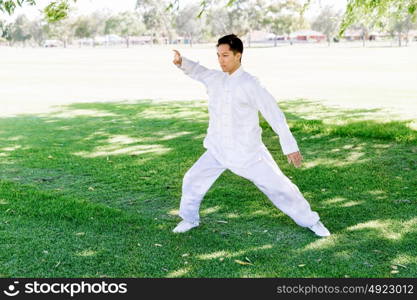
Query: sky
point(88, 6)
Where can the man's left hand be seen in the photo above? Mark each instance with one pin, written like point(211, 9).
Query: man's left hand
point(295, 158)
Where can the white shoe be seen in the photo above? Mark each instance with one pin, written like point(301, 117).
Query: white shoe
point(319, 229)
point(184, 226)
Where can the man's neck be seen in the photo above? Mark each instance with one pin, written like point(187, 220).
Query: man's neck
point(231, 72)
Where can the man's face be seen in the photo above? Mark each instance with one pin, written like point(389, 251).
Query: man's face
point(228, 61)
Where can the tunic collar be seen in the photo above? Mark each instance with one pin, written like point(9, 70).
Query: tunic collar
point(235, 73)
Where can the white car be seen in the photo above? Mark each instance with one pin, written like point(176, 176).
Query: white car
point(52, 43)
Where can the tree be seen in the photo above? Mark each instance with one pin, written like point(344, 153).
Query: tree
point(55, 11)
point(158, 19)
point(125, 24)
point(217, 21)
point(5, 31)
point(237, 20)
point(19, 31)
point(62, 30)
point(285, 16)
point(282, 25)
point(400, 24)
point(392, 15)
point(9, 6)
point(240, 18)
point(82, 27)
point(187, 25)
point(87, 26)
point(256, 11)
point(327, 22)
point(36, 31)
point(98, 22)
point(377, 10)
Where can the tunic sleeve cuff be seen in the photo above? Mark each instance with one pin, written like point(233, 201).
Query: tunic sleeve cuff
point(186, 65)
point(289, 146)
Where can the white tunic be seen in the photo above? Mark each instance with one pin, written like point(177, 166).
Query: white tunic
point(234, 135)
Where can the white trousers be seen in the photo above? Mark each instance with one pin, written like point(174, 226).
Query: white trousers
point(265, 174)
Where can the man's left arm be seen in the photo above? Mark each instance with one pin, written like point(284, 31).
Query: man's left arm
point(270, 110)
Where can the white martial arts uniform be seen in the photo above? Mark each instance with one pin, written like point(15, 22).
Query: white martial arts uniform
point(234, 142)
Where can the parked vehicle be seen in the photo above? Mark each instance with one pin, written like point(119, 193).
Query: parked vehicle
point(52, 43)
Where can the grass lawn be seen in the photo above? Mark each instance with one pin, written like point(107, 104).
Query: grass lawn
point(93, 190)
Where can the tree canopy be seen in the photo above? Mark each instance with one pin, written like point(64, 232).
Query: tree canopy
point(375, 9)
point(54, 11)
point(214, 17)
point(377, 12)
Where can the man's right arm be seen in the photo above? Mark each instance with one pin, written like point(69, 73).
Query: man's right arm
point(191, 68)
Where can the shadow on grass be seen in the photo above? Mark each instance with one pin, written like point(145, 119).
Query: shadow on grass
point(113, 172)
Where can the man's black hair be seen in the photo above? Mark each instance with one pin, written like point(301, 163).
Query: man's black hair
point(233, 41)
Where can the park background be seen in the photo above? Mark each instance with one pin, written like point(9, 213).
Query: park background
point(98, 127)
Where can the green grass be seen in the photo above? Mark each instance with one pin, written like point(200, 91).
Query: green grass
point(93, 191)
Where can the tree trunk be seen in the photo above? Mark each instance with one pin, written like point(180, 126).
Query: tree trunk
point(127, 42)
point(363, 36)
point(399, 39)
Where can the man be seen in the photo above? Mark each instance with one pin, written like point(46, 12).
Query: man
point(233, 139)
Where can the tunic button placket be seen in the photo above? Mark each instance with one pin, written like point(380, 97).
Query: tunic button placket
point(227, 120)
